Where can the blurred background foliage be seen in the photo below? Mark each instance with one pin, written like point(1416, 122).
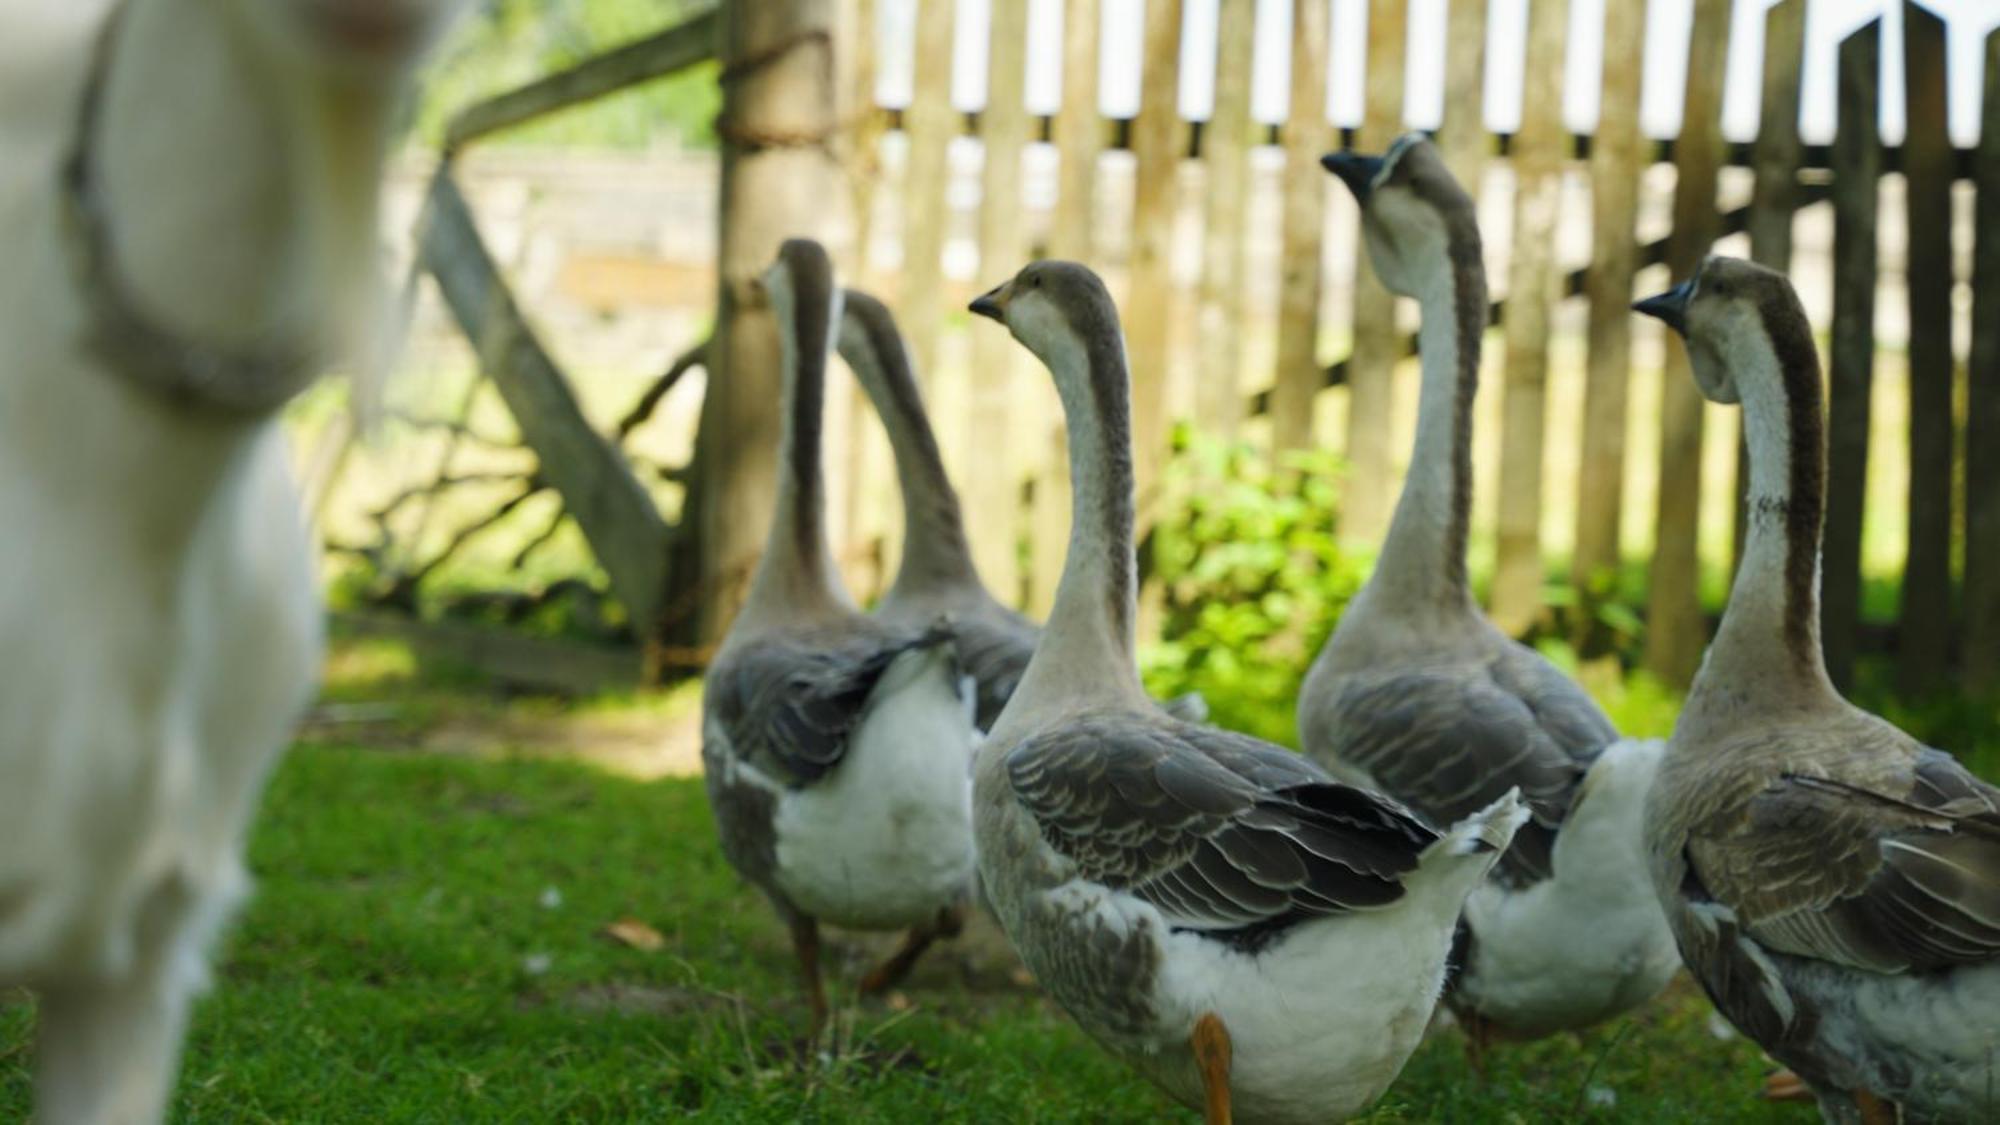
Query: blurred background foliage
point(505, 43)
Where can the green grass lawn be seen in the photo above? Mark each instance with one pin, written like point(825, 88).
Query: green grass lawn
point(404, 960)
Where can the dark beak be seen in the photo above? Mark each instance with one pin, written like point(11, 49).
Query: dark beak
point(991, 304)
point(1669, 307)
point(1356, 171)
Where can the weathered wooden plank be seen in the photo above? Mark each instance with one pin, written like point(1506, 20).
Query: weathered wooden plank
point(1923, 645)
point(1226, 154)
point(1462, 134)
point(1982, 424)
point(992, 482)
point(1617, 160)
point(625, 529)
point(655, 56)
point(1371, 388)
point(931, 122)
point(1532, 294)
point(1158, 141)
point(1675, 631)
point(1774, 158)
point(783, 87)
point(1857, 171)
point(1078, 134)
point(865, 522)
point(1307, 137)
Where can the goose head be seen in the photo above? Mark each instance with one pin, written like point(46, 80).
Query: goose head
point(1735, 317)
point(1414, 216)
point(1062, 313)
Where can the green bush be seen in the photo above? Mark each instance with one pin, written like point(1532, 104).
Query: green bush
point(1252, 580)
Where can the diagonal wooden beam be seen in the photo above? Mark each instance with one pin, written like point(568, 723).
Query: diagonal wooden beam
point(598, 487)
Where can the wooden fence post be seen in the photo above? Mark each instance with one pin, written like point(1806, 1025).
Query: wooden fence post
point(993, 481)
point(1532, 294)
point(1225, 148)
point(1982, 424)
point(865, 520)
point(1462, 133)
point(1158, 141)
point(1774, 157)
point(1675, 632)
point(1078, 135)
point(770, 192)
point(1857, 172)
point(1616, 164)
point(930, 122)
point(1307, 137)
point(1371, 367)
point(1923, 643)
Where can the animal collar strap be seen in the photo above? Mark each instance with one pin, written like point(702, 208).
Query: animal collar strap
point(188, 374)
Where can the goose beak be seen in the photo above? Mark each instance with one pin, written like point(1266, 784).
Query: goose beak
point(1356, 171)
point(992, 304)
point(1670, 307)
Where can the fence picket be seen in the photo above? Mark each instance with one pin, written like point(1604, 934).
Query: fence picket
point(1857, 170)
point(1924, 635)
point(931, 123)
point(1532, 294)
point(1616, 163)
point(1307, 137)
point(1225, 151)
point(1371, 386)
point(993, 484)
point(1675, 632)
point(1462, 134)
point(1982, 424)
point(1158, 142)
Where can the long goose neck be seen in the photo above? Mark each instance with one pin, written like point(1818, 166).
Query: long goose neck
point(1087, 645)
point(796, 572)
point(1767, 649)
point(935, 553)
point(1423, 557)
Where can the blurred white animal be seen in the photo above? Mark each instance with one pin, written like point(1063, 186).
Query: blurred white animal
point(188, 196)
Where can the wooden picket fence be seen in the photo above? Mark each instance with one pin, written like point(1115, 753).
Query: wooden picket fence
point(1929, 637)
point(1011, 470)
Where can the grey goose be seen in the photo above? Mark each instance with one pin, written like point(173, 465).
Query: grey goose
point(936, 576)
point(1252, 936)
point(1833, 883)
point(1419, 695)
point(836, 747)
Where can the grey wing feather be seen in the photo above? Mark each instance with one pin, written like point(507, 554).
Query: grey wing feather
point(1849, 874)
point(994, 649)
point(1449, 745)
point(790, 701)
point(1221, 833)
point(1563, 710)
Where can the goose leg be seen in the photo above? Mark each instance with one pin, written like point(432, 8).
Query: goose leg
point(949, 923)
point(805, 943)
point(1478, 1040)
point(1784, 1085)
point(1876, 1111)
point(1212, 1054)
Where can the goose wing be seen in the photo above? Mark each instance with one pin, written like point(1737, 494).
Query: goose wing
point(1900, 873)
point(789, 700)
point(1222, 833)
point(1449, 744)
point(994, 647)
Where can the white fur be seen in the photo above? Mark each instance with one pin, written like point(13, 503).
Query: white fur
point(159, 603)
point(885, 840)
point(1537, 966)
